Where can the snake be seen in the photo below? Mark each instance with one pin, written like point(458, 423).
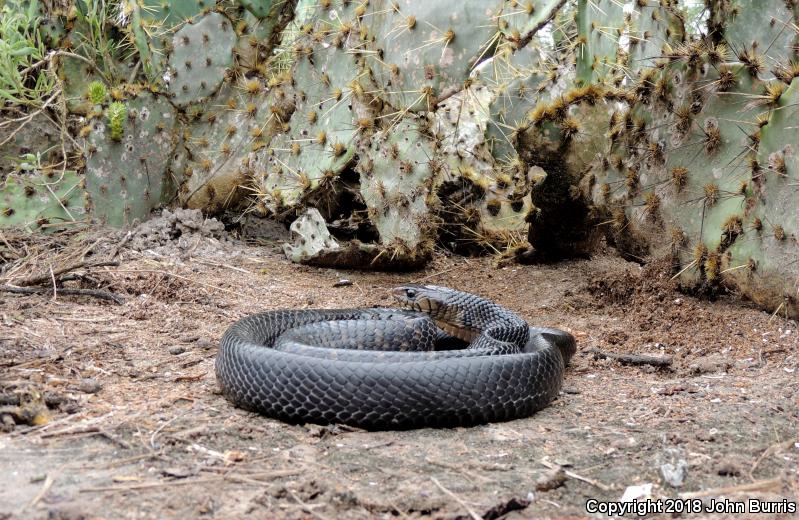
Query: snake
point(444, 358)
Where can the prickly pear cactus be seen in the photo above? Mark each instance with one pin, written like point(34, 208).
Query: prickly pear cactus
point(151, 26)
point(126, 178)
point(423, 52)
point(237, 122)
point(311, 238)
point(202, 53)
point(397, 186)
point(696, 157)
point(45, 202)
point(762, 258)
point(319, 139)
point(600, 25)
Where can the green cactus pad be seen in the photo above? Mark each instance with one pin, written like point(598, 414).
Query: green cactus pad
point(42, 201)
point(600, 25)
point(396, 183)
point(655, 27)
point(427, 50)
point(236, 122)
point(126, 179)
point(763, 262)
point(761, 33)
point(323, 131)
point(201, 54)
point(521, 19)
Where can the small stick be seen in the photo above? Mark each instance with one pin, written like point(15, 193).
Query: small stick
point(121, 244)
point(576, 476)
point(774, 448)
point(308, 508)
point(96, 293)
point(455, 497)
point(147, 485)
point(760, 485)
point(36, 280)
point(48, 483)
point(632, 359)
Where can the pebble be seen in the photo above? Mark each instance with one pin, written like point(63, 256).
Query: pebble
point(710, 365)
point(204, 343)
point(674, 474)
point(552, 479)
point(177, 349)
point(729, 467)
point(343, 283)
point(90, 386)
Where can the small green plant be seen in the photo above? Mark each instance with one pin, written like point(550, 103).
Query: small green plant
point(97, 92)
point(23, 81)
point(94, 40)
point(117, 113)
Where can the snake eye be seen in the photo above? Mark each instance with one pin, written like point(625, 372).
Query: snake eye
point(410, 293)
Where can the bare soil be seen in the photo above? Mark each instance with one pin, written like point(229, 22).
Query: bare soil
point(136, 428)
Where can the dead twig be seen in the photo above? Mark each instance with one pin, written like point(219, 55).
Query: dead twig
point(308, 508)
point(456, 498)
point(48, 483)
point(771, 450)
point(95, 293)
point(632, 359)
point(42, 278)
point(760, 485)
point(576, 476)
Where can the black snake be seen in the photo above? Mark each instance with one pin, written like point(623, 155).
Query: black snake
point(394, 368)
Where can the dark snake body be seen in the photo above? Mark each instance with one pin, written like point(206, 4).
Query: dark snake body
point(311, 366)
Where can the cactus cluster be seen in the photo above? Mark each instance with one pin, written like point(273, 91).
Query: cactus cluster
point(699, 163)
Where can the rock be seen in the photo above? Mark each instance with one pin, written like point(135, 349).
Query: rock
point(552, 479)
point(729, 467)
point(673, 466)
point(90, 386)
point(710, 365)
point(177, 349)
point(674, 474)
point(204, 343)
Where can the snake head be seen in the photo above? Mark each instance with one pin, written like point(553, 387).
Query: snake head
point(443, 305)
point(429, 299)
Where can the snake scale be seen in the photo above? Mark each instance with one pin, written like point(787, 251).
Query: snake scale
point(449, 358)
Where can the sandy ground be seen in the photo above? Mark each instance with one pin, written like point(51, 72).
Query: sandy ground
point(136, 427)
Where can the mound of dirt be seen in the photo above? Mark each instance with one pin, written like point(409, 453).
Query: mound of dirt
point(182, 233)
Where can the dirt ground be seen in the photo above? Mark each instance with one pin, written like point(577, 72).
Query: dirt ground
point(136, 428)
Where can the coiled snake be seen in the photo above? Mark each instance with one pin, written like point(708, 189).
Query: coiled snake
point(392, 368)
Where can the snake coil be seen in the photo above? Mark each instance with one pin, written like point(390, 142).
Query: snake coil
point(385, 368)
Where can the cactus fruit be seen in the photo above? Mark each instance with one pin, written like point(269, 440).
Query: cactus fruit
point(202, 52)
point(126, 177)
point(117, 115)
point(46, 201)
point(97, 92)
